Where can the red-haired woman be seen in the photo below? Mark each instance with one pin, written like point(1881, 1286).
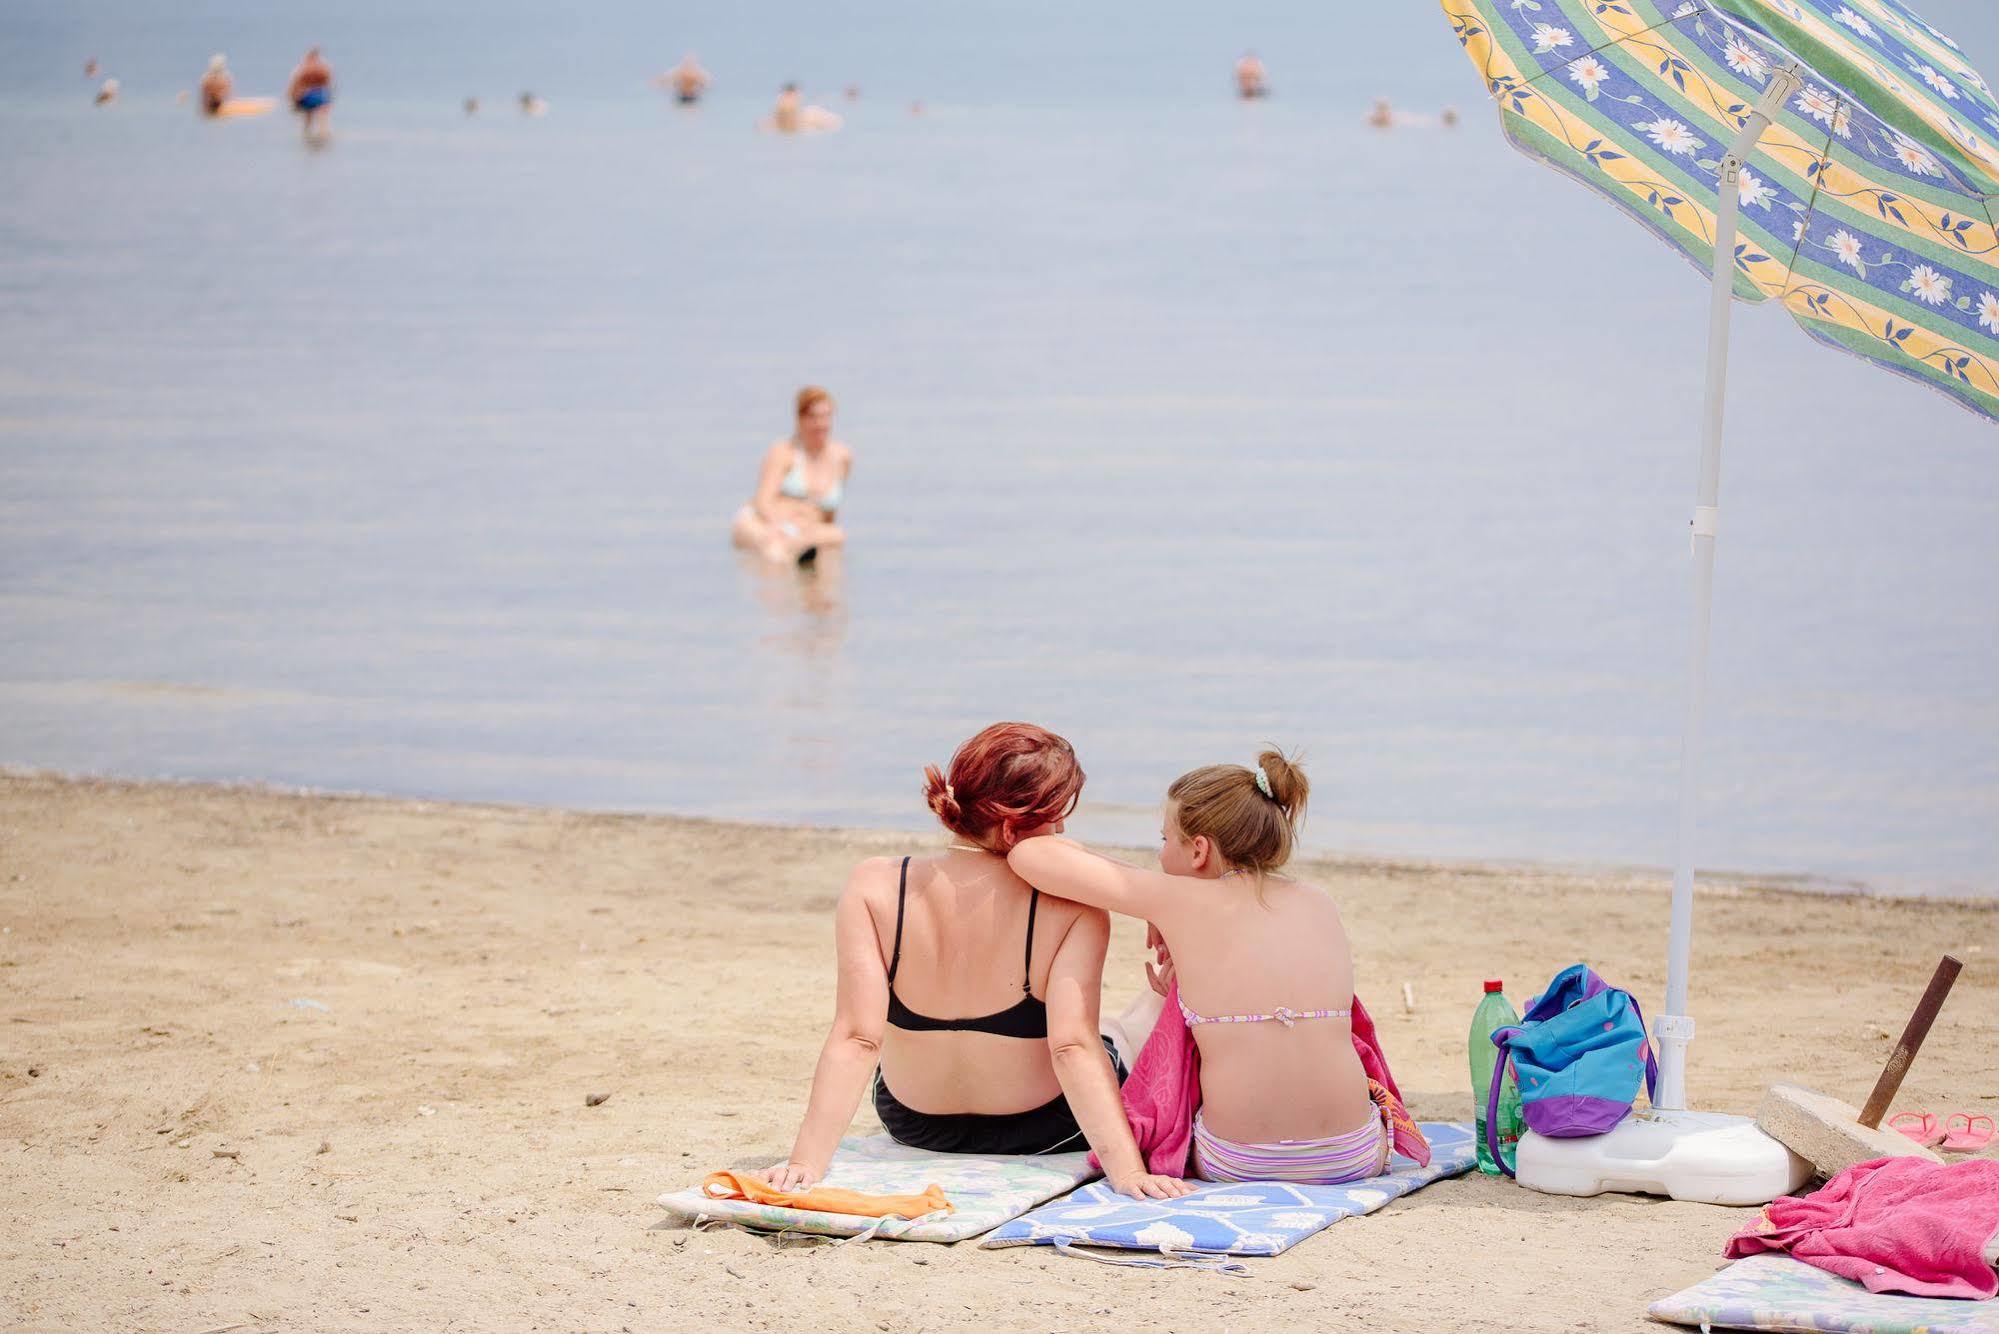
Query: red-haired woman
point(968, 996)
point(804, 479)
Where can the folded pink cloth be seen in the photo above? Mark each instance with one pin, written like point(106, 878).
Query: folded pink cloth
point(1164, 1091)
point(1894, 1224)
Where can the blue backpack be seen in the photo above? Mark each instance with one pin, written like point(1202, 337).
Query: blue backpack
point(1577, 1055)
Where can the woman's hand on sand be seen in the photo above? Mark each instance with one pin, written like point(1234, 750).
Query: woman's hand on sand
point(1151, 1186)
point(792, 1176)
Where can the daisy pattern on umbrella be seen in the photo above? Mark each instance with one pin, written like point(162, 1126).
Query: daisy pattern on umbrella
point(1547, 37)
point(1854, 21)
point(1915, 157)
point(1672, 135)
point(1745, 60)
point(1753, 192)
point(1826, 109)
point(1929, 75)
point(1589, 74)
point(1845, 247)
point(1927, 285)
point(1988, 312)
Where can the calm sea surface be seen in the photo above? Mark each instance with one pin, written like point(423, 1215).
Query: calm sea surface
point(406, 465)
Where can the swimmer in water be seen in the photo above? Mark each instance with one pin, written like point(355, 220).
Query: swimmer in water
point(792, 116)
point(471, 106)
point(1382, 117)
point(687, 80)
point(90, 68)
point(108, 93)
point(790, 519)
point(216, 85)
point(532, 105)
point(311, 91)
point(1449, 118)
point(1250, 81)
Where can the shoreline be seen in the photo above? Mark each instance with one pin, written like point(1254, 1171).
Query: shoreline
point(293, 1061)
point(1805, 884)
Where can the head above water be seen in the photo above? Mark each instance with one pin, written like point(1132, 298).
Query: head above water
point(1226, 817)
point(1010, 782)
point(815, 416)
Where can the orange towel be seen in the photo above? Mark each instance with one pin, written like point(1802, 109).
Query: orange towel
point(825, 1200)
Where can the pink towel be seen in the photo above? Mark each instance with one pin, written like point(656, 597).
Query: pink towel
point(1894, 1224)
point(1164, 1091)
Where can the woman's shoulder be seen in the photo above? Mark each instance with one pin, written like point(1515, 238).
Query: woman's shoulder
point(873, 879)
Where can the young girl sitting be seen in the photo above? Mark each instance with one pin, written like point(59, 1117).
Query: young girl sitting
point(1265, 976)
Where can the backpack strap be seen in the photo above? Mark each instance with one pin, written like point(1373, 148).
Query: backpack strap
point(1500, 1038)
point(1651, 1060)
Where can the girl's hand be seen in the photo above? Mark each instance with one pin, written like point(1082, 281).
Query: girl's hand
point(1150, 1186)
point(792, 1176)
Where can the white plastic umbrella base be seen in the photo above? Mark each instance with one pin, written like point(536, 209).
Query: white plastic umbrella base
point(1705, 1157)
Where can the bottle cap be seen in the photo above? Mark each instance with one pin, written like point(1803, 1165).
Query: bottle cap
point(1494, 984)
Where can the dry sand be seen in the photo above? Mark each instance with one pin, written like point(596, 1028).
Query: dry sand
point(285, 1062)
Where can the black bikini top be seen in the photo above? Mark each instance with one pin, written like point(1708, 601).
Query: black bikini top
point(1025, 1018)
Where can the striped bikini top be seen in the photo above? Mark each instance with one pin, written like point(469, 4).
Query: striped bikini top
point(1284, 1015)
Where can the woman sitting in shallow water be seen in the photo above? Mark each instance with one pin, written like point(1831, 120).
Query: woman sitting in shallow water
point(798, 495)
point(1265, 970)
point(967, 995)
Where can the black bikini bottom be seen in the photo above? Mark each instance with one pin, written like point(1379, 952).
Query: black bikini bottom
point(1049, 1128)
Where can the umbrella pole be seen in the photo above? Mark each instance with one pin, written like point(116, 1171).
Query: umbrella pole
point(1675, 1028)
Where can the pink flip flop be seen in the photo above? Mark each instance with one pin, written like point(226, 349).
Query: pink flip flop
point(1969, 1137)
point(1921, 1127)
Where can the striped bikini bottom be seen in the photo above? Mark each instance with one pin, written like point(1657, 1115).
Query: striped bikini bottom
point(1353, 1156)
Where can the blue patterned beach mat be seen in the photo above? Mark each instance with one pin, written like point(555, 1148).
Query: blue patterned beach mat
point(1228, 1219)
point(984, 1191)
point(1779, 1293)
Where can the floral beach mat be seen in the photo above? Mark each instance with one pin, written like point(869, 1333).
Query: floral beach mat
point(1778, 1293)
point(985, 1191)
point(1228, 1219)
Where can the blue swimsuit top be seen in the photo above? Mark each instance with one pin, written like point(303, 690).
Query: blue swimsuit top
point(793, 486)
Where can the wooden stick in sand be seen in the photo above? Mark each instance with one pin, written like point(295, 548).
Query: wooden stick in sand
point(1832, 1135)
point(1890, 1083)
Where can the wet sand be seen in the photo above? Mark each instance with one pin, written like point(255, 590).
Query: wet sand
point(278, 1061)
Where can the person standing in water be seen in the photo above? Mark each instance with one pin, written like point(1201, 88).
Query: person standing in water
point(687, 80)
point(216, 85)
point(311, 91)
point(108, 93)
point(791, 115)
point(1249, 78)
point(799, 490)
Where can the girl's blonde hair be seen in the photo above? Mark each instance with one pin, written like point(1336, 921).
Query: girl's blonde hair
point(1250, 815)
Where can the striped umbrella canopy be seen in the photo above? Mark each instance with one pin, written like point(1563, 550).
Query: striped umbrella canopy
point(1867, 206)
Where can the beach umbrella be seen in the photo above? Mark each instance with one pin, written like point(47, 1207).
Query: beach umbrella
point(1838, 156)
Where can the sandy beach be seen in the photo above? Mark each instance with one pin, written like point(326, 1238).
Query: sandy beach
point(303, 1062)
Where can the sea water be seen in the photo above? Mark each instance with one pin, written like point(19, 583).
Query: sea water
point(1181, 425)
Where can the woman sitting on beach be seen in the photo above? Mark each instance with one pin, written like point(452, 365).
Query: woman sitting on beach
point(1018, 1065)
point(1266, 972)
point(804, 478)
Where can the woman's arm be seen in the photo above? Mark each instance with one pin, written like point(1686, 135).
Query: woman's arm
point(1071, 871)
point(1075, 985)
point(853, 1046)
point(764, 502)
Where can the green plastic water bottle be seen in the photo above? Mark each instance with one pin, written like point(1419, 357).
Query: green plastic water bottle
point(1494, 1013)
